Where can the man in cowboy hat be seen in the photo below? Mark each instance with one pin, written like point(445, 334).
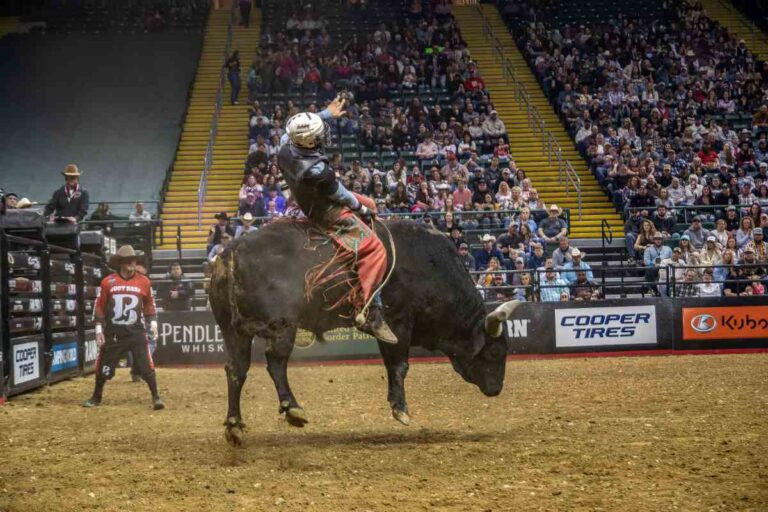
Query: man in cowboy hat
point(124, 306)
point(489, 250)
point(222, 226)
point(246, 225)
point(553, 227)
point(70, 202)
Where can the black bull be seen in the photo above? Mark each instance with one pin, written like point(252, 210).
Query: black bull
point(258, 290)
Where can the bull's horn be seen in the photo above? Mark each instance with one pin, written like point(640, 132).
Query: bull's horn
point(495, 319)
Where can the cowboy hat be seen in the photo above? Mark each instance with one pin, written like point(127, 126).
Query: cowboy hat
point(24, 202)
point(488, 238)
point(221, 215)
point(247, 218)
point(71, 170)
point(123, 254)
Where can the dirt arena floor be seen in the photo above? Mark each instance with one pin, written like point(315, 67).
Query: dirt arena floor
point(646, 433)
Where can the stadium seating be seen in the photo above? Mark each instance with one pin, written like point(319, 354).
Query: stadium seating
point(527, 147)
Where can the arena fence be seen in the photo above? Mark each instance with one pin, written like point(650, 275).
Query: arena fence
point(47, 293)
point(193, 338)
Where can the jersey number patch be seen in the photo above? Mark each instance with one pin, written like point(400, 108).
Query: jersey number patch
point(125, 309)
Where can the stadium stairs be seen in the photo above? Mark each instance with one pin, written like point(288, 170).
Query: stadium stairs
point(231, 144)
point(8, 25)
point(737, 24)
point(526, 147)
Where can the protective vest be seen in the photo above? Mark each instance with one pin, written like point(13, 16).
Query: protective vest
point(310, 188)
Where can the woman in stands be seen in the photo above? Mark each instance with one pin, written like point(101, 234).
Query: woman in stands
point(504, 196)
point(486, 280)
point(396, 175)
point(528, 237)
point(762, 197)
point(743, 235)
point(466, 146)
point(727, 156)
point(732, 246)
point(399, 202)
point(644, 237)
point(706, 199)
point(721, 233)
point(720, 273)
point(686, 249)
point(755, 211)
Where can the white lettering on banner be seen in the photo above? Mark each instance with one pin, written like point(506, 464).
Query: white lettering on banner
point(189, 334)
point(64, 357)
point(518, 328)
point(90, 350)
point(593, 327)
point(26, 362)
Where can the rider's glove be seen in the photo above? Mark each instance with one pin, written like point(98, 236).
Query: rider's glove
point(365, 213)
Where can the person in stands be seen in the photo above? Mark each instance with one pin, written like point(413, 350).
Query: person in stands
point(70, 202)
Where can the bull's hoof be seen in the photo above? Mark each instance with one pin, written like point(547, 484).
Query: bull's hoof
point(234, 436)
point(296, 416)
point(234, 432)
point(401, 416)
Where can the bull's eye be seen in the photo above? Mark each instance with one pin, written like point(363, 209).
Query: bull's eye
point(495, 351)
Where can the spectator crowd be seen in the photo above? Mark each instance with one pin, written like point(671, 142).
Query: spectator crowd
point(672, 115)
point(437, 149)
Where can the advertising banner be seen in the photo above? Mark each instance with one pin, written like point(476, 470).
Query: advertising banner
point(725, 323)
point(601, 326)
point(65, 357)
point(530, 330)
point(195, 338)
point(27, 359)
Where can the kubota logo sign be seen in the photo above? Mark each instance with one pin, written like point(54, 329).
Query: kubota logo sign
point(744, 322)
point(703, 323)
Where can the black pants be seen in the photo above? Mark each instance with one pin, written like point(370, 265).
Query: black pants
point(116, 347)
point(245, 13)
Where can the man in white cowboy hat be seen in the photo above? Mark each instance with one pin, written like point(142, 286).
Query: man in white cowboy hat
point(70, 202)
point(571, 268)
point(553, 227)
point(489, 250)
point(246, 225)
point(124, 306)
point(327, 202)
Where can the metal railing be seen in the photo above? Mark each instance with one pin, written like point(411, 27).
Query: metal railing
point(202, 187)
point(567, 174)
point(660, 280)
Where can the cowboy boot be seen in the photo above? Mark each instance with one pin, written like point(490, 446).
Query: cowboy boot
point(375, 325)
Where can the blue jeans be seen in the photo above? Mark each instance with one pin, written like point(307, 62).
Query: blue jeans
point(234, 81)
point(630, 239)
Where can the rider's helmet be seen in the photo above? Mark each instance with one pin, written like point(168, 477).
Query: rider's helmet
point(307, 130)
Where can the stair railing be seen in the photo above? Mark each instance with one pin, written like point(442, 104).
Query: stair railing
point(202, 186)
point(567, 174)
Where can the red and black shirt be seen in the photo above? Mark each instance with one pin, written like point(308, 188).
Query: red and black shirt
point(124, 304)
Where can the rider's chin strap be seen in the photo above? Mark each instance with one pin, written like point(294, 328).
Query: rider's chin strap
point(360, 318)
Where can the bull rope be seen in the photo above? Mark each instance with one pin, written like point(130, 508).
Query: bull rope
point(360, 318)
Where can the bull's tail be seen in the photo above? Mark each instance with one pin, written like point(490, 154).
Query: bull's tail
point(232, 296)
point(222, 289)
